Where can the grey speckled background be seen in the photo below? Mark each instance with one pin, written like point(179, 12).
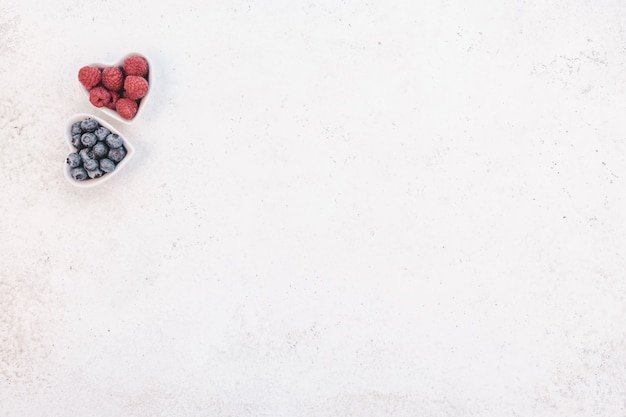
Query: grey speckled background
point(337, 208)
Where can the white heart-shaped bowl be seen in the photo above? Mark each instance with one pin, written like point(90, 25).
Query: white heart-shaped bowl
point(88, 183)
point(142, 103)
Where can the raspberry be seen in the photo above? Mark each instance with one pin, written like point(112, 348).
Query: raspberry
point(136, 65)
point(89, 76)
point(99, 96)
point(112, 78)
point(135, 87)
point(114, 97)
point(126, 108)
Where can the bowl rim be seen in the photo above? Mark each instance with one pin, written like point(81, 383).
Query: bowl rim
point(130, 151)
point(112, 113)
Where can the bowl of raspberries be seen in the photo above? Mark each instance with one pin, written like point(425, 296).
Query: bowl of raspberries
point(97, 152)
point(118, 90)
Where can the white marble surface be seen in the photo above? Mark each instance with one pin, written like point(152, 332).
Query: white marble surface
point(337, 208)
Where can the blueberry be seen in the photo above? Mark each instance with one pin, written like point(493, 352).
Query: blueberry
point(100, 150)
point(73, 160)
point(96, 173)
point(117, 154)
point(86, 153)
point(89, 125)
point(102, 133)
point(76, 141)
point(78, 174)
point(114, 141)
point(88, 139)
point(76, 129)
point(107, 165)
point(90, 164)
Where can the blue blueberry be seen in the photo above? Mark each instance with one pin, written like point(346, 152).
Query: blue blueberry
point(79, 174)
point(76, 130)
point(86, 153)
point(102, 133)
point(88, 139)
point(95, 173)
point(107, 165)
point(73, 160)
point(90, 164)
point(76, 141)
point(114, 141)
point(89, 125)
point(117, 154)
point(100, 150)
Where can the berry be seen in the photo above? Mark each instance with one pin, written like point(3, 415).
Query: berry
point(76, 141)
point(100, 150)
point(78, 174)
point(136, 65)
point(76, 129)
point(90, 164)
point(135, 87)
point(114, 96)
point(126, 108)
point(112, 78)
point(102, 133)
point(95, 173)
point(117, 154)
point(89, 125)
point(107, 165)
point(88, 139)
point(114, 140)
point(86, 154)
point(89, 76)
point(99, 96)
point(73, 160)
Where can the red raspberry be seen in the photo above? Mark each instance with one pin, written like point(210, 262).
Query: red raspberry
point(114, 97)
point(112, 78)
point(136, 65)
point(126, 108)
point(99, 96)
point(135, 87)
point(89, 76)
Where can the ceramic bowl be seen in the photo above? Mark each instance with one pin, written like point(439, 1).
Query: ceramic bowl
point(88, 183)
point(142, 103)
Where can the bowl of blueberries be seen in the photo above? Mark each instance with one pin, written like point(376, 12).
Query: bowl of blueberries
point(97, 152)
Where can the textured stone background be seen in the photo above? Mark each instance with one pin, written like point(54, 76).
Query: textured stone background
point(337, 208)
